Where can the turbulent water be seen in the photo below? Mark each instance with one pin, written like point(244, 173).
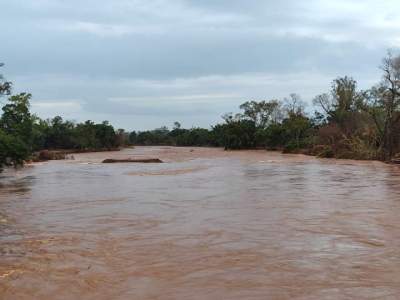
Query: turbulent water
point(207, 224)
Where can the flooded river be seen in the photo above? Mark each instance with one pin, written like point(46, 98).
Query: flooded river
point(207, 224)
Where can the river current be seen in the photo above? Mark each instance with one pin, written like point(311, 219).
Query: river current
point(206, 224)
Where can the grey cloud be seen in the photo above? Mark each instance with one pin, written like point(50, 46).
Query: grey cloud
point(93, 51)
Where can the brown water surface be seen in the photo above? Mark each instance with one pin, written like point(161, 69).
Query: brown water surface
point(207, 224)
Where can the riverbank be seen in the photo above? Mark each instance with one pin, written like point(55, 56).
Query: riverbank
point(61, 154)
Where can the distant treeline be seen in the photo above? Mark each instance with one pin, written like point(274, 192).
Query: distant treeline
point(271, 124)
point(345, 123)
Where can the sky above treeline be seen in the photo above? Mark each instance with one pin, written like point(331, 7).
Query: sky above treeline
point(142, 64)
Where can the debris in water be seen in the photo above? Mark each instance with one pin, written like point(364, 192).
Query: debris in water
point(144, 160)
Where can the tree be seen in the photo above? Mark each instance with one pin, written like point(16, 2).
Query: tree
point(106, 136)
point(382, 102)
point(236, 134)
point(294, 105)
point(13, 151)
point(40, 131)
point(5, 86)
point(16, 119)
point(159, 136)
point(324, 102)
point(297, 130)
point(343, 99)
point(177, 125)
point(15, 131)
point(344, 92)
point(194, 137)
point(261, 113)
point(60, 134)
point(122, 138)
point(85, 135)
point(132, 137)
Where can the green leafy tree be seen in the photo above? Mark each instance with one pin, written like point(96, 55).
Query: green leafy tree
point(13, 151)
point(382, 103)
point(60, 134)
point(16, 127)
point(5, 86)
point(132, 138)
point(297, 131)
point(16, 119)
point(236, 133)
point(261, 113)
point(106, 136)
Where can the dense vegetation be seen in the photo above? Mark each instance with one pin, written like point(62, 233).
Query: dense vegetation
point(346, 123)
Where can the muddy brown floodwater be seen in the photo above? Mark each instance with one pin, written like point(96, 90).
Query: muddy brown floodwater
point(207, 224)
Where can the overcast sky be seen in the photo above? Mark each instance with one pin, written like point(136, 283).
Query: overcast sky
point(142, 64)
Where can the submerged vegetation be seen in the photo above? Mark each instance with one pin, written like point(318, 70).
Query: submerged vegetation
point(346, 123)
